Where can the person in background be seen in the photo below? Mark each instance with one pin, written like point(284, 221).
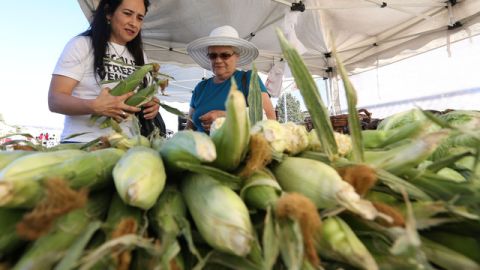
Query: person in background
point(107, 51)
point(221, 52)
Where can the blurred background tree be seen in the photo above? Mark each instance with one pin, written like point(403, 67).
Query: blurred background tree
point(293, 112)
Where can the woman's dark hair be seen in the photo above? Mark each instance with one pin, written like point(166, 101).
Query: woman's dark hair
point(100, 31)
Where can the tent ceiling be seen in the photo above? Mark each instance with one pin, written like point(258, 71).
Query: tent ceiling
point(367, 33)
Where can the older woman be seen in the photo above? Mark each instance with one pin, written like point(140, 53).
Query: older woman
point(221, 52)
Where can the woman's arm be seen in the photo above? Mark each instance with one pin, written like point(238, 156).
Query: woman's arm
point(268, 107)
point(60, 100)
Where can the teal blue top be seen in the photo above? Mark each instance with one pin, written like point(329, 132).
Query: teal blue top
point(208, 95)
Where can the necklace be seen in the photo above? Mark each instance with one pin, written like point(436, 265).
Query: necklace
point(115, 50)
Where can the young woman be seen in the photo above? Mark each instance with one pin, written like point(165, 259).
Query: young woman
point(105, 52)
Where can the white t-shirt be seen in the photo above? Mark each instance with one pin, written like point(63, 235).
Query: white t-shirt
point(76, 62)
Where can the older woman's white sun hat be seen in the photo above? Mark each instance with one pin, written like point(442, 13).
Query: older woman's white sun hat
point(222, 36)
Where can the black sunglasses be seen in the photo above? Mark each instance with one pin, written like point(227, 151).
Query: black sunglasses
point(223, 55)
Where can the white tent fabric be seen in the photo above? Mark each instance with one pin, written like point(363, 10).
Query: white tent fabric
point(366, 33)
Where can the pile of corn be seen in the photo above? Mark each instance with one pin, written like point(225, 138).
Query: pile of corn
point(253, 196)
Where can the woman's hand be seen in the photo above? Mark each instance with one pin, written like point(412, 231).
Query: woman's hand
point(150, 109)
point(113, 106)
point(208, 118)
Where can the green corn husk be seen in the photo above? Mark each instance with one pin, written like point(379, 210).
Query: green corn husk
point(167, 219)
point(129, 84)
point(122, 142)
point(9, 240)
point(404, 118)
point(230, 180)
point(6, 157)
point(339, 242)
point(232, 137)
point(446, 257)
point(255, 111)
point(50, 248)
point(322, 184)
point(219, 214)
point(73, 254)
point(468, 245)
point(31, 166)
point(401, 158)
point(168, 210)
point(143, 95)
point(139, 177)
point(19, 181)
point(189, 146)
point(353, 123)
point(313, 101)
point(260, 190)
point(464, 193)
point(92, 170)
point(118, 212)
point(381, 138)
point(133, 80)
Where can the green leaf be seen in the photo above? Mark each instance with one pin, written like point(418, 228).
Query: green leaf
point(353, 117)
point(72, 255)
point(255, 110)
point(172, 110)
point(311, 96)
point(230, 180)
point(271, 248)
point(291, 244)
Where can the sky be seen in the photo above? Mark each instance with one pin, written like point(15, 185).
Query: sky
point(35, 33)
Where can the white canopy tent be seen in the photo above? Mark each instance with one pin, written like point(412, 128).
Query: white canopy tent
point(367, 33)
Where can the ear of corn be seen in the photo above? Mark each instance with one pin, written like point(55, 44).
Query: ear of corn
point(232, 138)
point(6, 157)
point(296, 137)
point(118, 211)
point(322, 184)
point(260, 190)
point(219, 214)
point(123, 142)
point(168, 210)
point(273, 132)
point(129, 84)
point(19, 181)
point(340, 242)
point(188, 146)
point(143, 95)
point(32, 166)
point(344, 143)
point(406, 156)
point(47, 250)
point(380, 138)
point(133, 80)
point(139, 177)
point(92, 170)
